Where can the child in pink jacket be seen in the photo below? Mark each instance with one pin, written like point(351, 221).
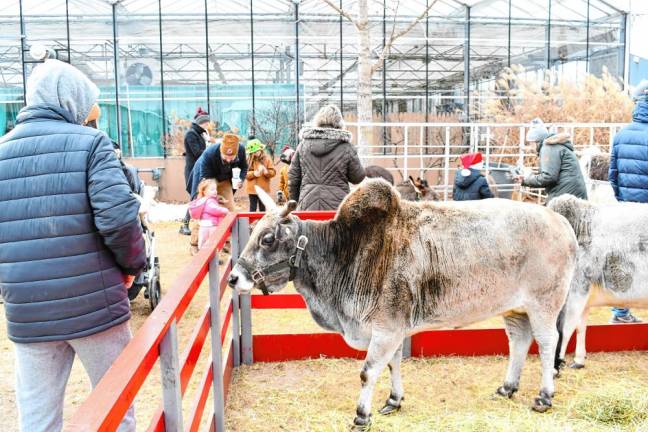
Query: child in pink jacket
point(207, 209)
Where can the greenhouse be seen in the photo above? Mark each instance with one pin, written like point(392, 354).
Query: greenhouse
point(262, 62)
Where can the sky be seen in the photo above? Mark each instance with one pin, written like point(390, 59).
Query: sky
point(639, 28)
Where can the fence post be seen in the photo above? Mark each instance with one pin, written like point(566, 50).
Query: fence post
point(216, 347)
point(245, 301)
point(405, 154)
point(488, 148)
point(421, 164)
point(446, 166)
point(236, 327)
point(521, 147)
point(170, 373)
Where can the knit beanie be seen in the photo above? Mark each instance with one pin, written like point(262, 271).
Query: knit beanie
point(329, 116)
point(230, 145)
point(537, 132)
point(201, 116)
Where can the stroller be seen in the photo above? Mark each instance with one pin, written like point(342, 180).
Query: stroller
point(149, 279)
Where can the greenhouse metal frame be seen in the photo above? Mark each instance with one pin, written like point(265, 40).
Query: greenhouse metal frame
point(157, 60)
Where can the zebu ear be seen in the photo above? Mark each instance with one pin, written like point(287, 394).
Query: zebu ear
point(266, 199)
point(373, 201)
point(288, 208)
point(415, 185)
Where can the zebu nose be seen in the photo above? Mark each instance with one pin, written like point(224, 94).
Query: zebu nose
point(232, 280)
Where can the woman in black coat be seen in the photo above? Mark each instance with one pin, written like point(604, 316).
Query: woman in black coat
point(195, 143)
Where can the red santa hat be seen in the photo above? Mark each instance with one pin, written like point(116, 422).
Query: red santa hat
point(468, 160)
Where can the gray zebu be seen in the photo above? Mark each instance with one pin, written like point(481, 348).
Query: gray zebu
point(385, 268)
point(611, 265)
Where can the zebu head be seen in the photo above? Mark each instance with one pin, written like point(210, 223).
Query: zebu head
point(269, 258)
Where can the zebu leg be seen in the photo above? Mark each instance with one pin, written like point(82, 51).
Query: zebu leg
point(581, 330)
point(393, 403)
point(543, 325)
point(382, 349)
point(518, 330)
point(575, 308)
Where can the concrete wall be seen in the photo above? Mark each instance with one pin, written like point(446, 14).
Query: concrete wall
point(172, 183)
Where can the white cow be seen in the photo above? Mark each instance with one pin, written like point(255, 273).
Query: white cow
point(612, 263)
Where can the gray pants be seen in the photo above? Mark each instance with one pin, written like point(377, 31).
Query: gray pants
point(43, 369)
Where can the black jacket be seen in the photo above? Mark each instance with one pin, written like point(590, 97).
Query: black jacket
point(210, 165)
point(472, 187)
point(69, 229)
point(195, 145)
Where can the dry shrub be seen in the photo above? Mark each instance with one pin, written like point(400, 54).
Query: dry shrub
point(593, 100)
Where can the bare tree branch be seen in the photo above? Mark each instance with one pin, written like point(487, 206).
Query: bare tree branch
point(343, 13)
point(398, 35)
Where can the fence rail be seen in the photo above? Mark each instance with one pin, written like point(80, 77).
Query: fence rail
point(432, 150)
point(157, 341)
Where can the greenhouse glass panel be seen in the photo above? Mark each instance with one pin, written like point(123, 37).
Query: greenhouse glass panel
point(11, 82)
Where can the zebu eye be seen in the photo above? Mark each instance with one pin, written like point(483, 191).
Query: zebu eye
point(267, 239)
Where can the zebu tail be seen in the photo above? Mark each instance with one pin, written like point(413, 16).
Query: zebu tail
point(560, 325)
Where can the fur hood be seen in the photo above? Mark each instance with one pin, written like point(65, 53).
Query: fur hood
point(560, 138)
point(324, 133)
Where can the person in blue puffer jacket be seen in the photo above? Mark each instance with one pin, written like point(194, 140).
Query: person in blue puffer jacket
point(70, 244)
point(628, 173)
point(469, 183)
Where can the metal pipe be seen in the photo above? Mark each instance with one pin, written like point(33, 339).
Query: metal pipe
point(22, 51)
point(164, 120)
point(587, 51)
point(467, 64)
point(207, 57)
point(509, 33)
point(67, 29)
point(624, 54)
point(427, 72)
point(297, 60)
point(341, 66)
point(384, 78)
point(252, 58)
point(549, 38)
point(116, 72)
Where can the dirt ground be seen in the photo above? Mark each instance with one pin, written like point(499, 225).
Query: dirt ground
point(319, 394)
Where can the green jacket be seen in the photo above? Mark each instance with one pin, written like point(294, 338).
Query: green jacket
point(559, 172)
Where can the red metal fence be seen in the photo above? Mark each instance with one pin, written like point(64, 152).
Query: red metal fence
point(157, 340)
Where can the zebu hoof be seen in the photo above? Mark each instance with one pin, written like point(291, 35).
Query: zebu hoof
point(389, 408)
point(361, 423)
point(576, 366)
point(542, 403)
point(506, 391)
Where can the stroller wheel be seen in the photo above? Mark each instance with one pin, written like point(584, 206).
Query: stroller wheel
point(154, 288)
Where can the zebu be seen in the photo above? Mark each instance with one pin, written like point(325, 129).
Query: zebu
point(611, 267)
point(386, 268)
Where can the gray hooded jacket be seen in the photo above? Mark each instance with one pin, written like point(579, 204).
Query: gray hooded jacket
point(322, 168)
point(69, 226)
